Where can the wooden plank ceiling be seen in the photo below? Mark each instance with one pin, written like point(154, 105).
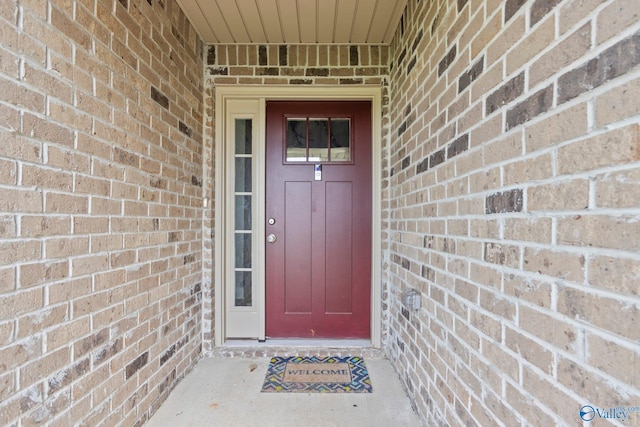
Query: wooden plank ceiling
point(294, 21)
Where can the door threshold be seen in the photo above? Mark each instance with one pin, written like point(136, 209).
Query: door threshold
point(251, 348)
point(300, 342)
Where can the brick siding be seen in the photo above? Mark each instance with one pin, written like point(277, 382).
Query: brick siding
point(100, 218)
point(513, 204)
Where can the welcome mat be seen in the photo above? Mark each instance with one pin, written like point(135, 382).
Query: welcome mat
point(317, 375)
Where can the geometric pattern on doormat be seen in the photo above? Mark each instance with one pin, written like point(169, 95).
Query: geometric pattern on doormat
point(274, 381)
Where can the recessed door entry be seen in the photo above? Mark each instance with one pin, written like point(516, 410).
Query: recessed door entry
point(318, 219)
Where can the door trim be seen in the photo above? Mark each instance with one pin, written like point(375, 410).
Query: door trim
point(226, 94)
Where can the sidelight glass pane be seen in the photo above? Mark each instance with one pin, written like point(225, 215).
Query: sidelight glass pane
point(340, 140)
point(318, 140)
point(243, 174)
point(242, 216)
point(243, 213)
point(243, 136)
point(243, 250)
point(296, 140)
point(243, 295)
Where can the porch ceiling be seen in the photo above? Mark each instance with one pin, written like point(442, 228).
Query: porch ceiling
point(294, 21)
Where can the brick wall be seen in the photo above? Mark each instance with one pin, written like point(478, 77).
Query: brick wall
point(514, 208)
point(100, 217)
point(295, 65)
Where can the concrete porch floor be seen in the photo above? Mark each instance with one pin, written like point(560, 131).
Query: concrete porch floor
point(226, 392)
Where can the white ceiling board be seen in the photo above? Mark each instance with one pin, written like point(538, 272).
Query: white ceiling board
point(232, 17)
point(345, 13)
point(308, 19)
point(251, 19)
point(270, 18)
point(289, 19)
point(215, 19)
point(294, 21)
point(380, 21)
point(362, 21)
point(326, 21)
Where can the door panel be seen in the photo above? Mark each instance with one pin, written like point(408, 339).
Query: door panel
point(318, 268)
point(297, 235)
point(339, 247)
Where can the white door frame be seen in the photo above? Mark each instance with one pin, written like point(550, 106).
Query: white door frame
point(226, 106)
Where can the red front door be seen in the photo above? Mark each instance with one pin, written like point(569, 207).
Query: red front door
point(318, 254)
